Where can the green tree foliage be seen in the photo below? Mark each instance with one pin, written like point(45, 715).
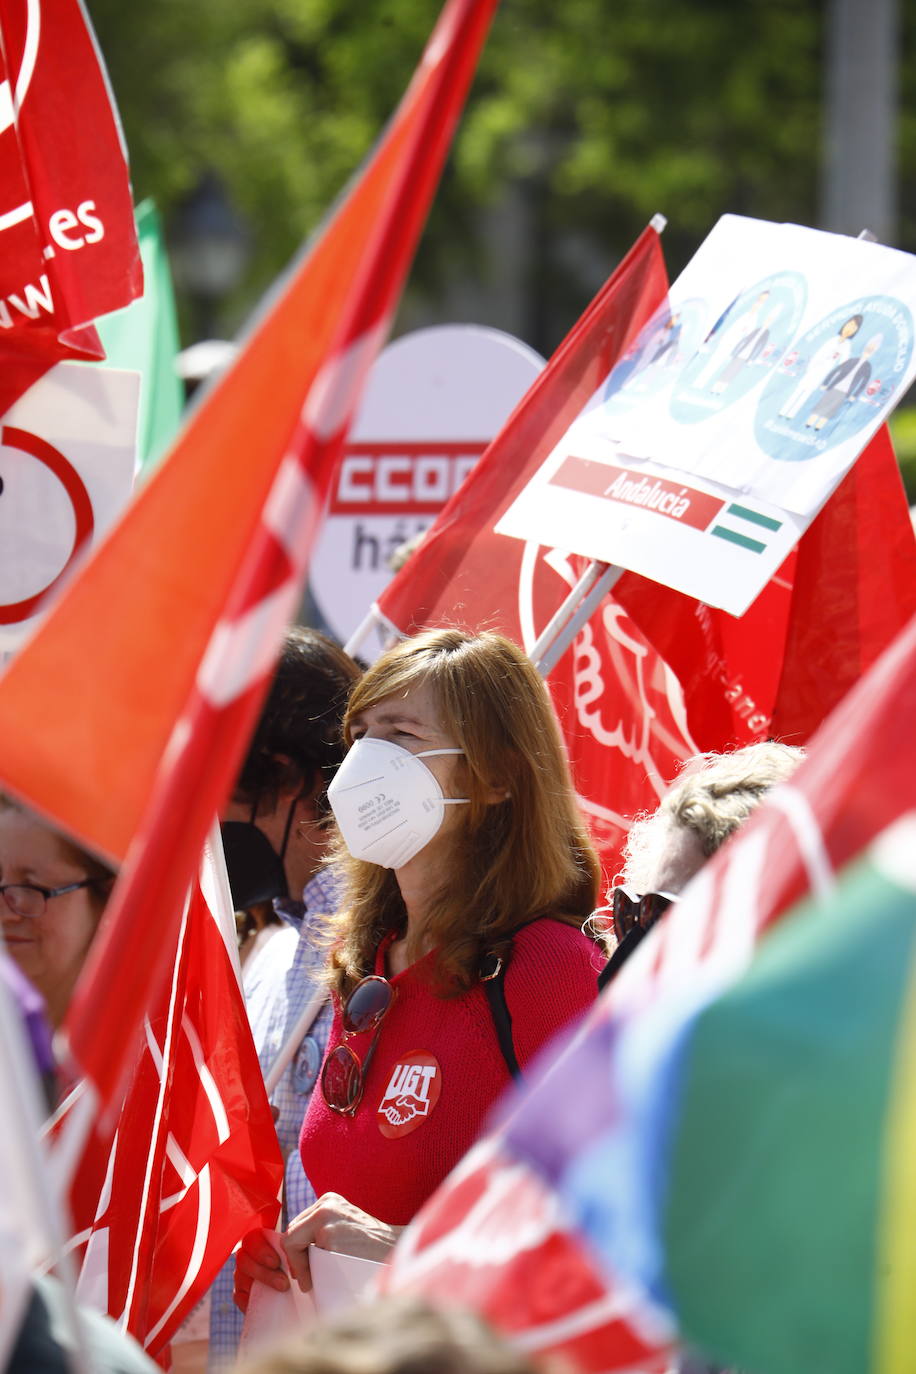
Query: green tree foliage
point(592, 115)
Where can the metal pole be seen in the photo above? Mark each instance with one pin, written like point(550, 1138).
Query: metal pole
point(564, 625)
point(860, 126)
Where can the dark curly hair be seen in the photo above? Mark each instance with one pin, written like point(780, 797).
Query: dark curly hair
point(299, 733)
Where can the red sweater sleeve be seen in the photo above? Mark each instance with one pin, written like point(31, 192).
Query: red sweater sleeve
point(551, 979)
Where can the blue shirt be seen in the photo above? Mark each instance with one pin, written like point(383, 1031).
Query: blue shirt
point(279, 983)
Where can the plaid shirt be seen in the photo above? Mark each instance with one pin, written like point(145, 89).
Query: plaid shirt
point(279, 982)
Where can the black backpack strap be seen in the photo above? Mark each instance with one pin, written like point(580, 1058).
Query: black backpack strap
point(493, 980)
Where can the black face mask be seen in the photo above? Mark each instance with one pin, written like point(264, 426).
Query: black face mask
point(255, 871)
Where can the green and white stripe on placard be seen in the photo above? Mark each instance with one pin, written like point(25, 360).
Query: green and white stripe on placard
point(750, 529)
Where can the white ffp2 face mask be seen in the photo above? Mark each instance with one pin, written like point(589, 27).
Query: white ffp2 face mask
point(386, 801)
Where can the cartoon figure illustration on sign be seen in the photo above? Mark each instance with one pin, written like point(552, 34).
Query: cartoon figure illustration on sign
point(833, 351)
point(747, 350)
point(743, 347)
point(654, 361)
point(858, 356)
point(725, 336)
point(843, 384)
point(667, 346)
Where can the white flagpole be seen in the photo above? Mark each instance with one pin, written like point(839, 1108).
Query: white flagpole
point(286, 1052)
point(565, 623)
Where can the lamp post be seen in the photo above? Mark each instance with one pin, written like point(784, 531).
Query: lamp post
point(208, 250)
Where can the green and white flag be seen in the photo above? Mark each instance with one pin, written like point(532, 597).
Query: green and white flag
point(143, 337)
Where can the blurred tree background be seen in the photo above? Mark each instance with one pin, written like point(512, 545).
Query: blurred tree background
point(584, 120)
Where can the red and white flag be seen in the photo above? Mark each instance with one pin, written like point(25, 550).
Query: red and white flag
point(195, 1162)
point(499, 1235)
point(179, 614)
point(68, 245)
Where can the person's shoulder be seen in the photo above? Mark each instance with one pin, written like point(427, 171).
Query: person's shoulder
point(551, 978)
point(554, 947)
point(553, 935)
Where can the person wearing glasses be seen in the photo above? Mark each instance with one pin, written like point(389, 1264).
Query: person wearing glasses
point(53, 895)
point(468, 866)
point(713, 797)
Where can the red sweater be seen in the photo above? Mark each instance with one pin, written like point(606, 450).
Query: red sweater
point(436, 1072)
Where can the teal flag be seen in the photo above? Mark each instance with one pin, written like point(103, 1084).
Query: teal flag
point(144, 337)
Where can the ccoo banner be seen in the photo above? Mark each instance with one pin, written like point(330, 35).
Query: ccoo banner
point(434, 400)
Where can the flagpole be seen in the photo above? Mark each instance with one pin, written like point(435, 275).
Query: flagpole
point(288, 1049)
point(567, 620)
point(359, 634)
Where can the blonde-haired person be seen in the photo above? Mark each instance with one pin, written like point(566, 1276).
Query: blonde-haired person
point(396, 1335)
point(712, 798)
point(466, 857)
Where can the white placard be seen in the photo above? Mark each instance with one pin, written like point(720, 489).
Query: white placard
point(434, 400)
point(717, 438)
point(67, 451)
point(338, 1282)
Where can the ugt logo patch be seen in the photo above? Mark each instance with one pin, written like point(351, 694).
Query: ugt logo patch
point(412, 1092)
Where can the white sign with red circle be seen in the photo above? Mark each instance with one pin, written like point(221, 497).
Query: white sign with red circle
point(67, 452)
point(434, 400)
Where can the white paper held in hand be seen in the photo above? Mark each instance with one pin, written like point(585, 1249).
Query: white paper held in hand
point(272, 1315)
point(338, 1281)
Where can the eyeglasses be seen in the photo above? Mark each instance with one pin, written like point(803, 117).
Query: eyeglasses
point(343, 1077)
point(29, 899)
point(630, 910)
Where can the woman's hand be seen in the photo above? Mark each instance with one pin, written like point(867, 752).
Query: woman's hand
point(332, 1223)
point(257, 1261)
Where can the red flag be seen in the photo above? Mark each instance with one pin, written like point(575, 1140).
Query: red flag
point(178, 615)
point(499, 1236)
point(855, 589)
point(68, 246)
point(463, 572)
point(195, 1163)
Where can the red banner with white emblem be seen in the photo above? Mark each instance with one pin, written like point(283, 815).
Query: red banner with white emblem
point(195, 1162)
point(68, 246)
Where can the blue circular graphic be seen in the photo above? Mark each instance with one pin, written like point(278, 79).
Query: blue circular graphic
point(656, 358)
point(745, 343)
point(834, 378)
point(306, 1065)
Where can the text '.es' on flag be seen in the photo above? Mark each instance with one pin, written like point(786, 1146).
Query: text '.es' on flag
point(68, 249)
